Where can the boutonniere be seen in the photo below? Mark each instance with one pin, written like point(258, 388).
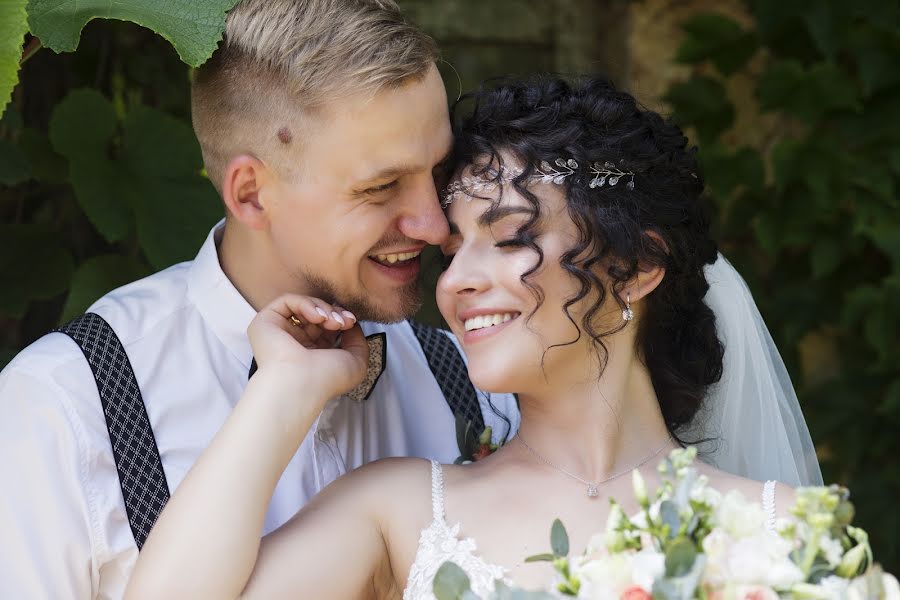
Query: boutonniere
point(473, 446)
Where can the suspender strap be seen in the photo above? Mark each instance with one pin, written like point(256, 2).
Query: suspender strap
point(141, 474)
point(450, 371)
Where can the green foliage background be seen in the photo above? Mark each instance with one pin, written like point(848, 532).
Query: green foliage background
point(101, 180)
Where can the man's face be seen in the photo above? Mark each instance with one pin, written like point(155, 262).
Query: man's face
point(350, 226)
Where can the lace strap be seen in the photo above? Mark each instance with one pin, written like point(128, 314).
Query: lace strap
point(768, 504)
point(437, 491)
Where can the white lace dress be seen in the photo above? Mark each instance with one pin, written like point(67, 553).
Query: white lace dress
point(439, 543)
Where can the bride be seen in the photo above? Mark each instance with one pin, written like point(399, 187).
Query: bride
point(578, 276)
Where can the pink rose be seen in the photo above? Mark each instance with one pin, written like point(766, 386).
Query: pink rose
point(635, 592)
point(483, 451)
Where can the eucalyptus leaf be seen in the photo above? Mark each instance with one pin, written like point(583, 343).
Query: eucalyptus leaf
point(668, 515)
point(541, 558)
point(680, 557)
point(194, 28)
point(450, 582)
point(13, 27)
point(559, 539)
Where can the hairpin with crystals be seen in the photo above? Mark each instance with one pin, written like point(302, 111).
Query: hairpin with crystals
point(604, 174)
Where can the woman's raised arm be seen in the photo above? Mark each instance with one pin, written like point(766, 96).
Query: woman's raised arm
point(206, 543)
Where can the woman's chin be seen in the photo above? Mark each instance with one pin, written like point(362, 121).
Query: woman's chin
point(493, 379)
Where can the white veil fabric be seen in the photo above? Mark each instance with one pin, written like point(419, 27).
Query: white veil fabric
point(752, 416)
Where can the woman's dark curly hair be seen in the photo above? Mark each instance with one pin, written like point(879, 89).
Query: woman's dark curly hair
point(660, 222)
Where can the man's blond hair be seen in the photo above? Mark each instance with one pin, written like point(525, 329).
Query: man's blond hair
point(284, 59)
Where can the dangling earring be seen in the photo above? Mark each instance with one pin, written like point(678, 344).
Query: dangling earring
point(627, 313)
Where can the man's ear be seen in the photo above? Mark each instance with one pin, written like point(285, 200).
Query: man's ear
point(244, 178)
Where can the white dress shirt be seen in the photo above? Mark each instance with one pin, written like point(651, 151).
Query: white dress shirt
point(64, 532)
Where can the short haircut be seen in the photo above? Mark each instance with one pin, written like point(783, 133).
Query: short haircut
point(283, 59)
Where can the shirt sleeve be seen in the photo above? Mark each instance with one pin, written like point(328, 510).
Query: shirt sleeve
point(46, 548)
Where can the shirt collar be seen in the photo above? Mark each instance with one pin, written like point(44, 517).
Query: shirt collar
point(223, 308)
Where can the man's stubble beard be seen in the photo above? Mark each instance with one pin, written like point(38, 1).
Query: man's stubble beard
point(408, 300)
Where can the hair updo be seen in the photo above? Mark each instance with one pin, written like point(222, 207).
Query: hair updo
point(660, 222)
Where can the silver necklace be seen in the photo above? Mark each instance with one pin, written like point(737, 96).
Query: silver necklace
point(593, 487)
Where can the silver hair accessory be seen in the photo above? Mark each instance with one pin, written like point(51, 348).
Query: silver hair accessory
point(487, 182)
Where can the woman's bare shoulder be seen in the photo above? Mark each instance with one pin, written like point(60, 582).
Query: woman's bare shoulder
point(750, 488)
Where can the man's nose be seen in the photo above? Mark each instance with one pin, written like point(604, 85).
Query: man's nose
point(424, 218)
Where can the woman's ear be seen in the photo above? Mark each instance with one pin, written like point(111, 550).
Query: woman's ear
point(648, 277)
point(241, 190)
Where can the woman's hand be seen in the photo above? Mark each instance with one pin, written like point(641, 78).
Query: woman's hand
point(309, 342)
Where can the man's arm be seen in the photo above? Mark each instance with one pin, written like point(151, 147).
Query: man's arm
point(46, 549)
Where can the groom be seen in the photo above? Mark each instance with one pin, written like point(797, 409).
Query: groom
point(321, 123)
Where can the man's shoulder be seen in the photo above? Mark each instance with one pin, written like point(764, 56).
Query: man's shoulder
point(131, 310)
point(139, 307)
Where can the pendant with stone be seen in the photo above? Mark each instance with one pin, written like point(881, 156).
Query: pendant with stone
point(592, 491)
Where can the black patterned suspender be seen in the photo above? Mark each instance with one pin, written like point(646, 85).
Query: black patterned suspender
point(450, 371)
point(141, 474)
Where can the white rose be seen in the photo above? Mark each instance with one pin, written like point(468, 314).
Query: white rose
point(835, 588)
point(715, 547)
point(763, 559)
point(604, 578)
point(832, 550)
point(646, 567)
point(891, 587)
point(738, 517)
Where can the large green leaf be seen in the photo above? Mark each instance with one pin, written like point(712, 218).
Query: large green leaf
point(719, 39)
point(13, 27)
point(193, 27)
point(806, 93)
point(702, 102)
point(83, 122)
point(14, 167)
point(175, 206)
point(33, 266)
point(45, 164)
point(97, 276)
point(82, 127)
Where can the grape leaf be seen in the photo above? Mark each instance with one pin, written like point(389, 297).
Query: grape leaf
point(13, 27)
point(193, 27)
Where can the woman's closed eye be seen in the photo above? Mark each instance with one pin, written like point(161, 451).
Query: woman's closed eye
point(516, 242)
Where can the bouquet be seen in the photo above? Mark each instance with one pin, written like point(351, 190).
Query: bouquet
point(690, 542)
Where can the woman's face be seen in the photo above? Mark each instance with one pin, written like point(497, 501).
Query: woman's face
point(486, 303)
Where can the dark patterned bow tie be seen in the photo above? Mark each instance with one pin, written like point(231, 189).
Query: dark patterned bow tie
point(377, 363)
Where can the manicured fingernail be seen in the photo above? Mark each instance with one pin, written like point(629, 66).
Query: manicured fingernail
point(321, 312)
point(338, 318)
point(349, 315)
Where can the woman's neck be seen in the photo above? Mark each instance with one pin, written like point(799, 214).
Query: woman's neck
point(595, 428)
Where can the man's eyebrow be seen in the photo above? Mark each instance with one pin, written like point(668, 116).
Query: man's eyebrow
point(391, 172)
point(491, 216)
